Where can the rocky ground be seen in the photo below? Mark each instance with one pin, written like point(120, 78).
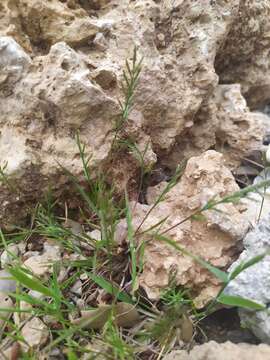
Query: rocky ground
point(134, 209)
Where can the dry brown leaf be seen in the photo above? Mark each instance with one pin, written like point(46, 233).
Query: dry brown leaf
point(186, 328)
point(94, 319)
point(126, 315)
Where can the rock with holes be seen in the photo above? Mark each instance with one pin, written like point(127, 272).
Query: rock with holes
point(224, 122)
point(14, 62)
point(239, 131)
point(46, 23)
point(225, 351)
point(39, 122)
point(244, 56)
point(95, 4)
point(73, 80)
point(216, 238)
point(253, 283)
point(11, 25)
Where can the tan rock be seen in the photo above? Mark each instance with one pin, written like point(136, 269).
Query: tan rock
point(239, 131)
point(178, 111)
point(35, 333)
point(41, 265)
point(153, 192)
point(51, 21)
point(10, 24)
point(9, 255)
point(12, 352)
point(226, 351)
point(25, 314)
point(179, 75)
point(215, 239)
point(24, 306)
point(94, 4)
point(37, 124)
point(5, 303)
point(225, 123)
point(244, 56)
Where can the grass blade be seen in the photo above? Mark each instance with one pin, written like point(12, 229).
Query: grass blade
point(30, 282)
point(132, 247)
point(238, 301)
point(110, 288)
point(245, 265)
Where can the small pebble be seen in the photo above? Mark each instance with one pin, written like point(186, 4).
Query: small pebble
point(95, 234)
point(80, 304)
point(77, 288)
point(41, 265)
point(55, 353)
point(35, 294)
point(8, 255)
point(7, 283)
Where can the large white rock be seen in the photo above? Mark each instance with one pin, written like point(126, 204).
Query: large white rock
point(253, 283)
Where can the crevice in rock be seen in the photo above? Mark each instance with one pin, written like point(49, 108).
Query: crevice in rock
point(244, 56)
point(224, 325)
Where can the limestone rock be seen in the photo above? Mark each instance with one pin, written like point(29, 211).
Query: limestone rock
point(178, 111)
point(10, 24)
point(215, 239)
point(77, 288)
point(14, 62)
point(23, 316)
point(41, 265)
point(239, 131)
point(187, 50)
point(225, 351)
point(94, 4)
point(224, 122)
point(40, 119)
point(244, 56)
point(52, 21)
point(95, 234)
point(9, 254)
point(253, 283)
point(35, 334)
point(7, 283)
point(258, 203)
point(257, 207)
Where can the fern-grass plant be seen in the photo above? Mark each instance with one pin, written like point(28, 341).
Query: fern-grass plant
point(131, 75)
